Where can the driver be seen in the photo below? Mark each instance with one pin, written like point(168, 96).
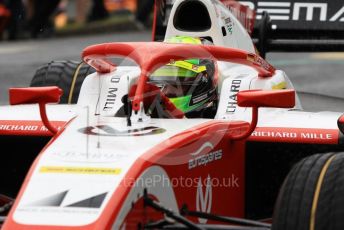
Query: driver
point(191, 85)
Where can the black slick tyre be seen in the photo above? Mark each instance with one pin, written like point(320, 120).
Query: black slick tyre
point(68, 75)
point(312, 196)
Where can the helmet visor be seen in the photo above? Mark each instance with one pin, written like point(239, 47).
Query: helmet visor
point(177, 79)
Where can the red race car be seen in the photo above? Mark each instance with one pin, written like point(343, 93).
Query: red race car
point(195, 132)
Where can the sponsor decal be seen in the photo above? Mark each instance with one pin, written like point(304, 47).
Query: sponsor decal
point(204, 198)
point(97, 157)
point(111, 95)
point(232, 102)
point(257, 60)
point(56, 204)
point(229, 25)
point(80, 170)
point(242, 13)
point(91, 202)
point(63, 207)
point(23, 211)
point(106, 130)
point(281, 85)
point(201, 97)
point(20, 127)
point(51, 201)
point(8, 127)
point(302, 135)
point(324, 11)
point(274, 134)
point(204, 159)
point(295, 135)
point(204, 146)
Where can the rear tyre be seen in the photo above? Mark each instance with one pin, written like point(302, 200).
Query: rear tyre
point(61, 74)
point(312, 196)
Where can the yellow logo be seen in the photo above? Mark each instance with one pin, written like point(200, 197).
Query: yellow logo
point(80, 170)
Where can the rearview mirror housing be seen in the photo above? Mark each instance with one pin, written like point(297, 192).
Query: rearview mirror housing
point(31, 95)
point(259, 98)
point(40, 95)
point(267, 98)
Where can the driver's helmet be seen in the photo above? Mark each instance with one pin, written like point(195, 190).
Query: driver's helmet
point(189, 84)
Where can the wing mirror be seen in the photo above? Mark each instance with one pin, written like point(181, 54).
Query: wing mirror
point(261, 98)
point(40, 95)
point(267, 98)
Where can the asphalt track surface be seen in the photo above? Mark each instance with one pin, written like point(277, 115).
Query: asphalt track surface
point(319, 77)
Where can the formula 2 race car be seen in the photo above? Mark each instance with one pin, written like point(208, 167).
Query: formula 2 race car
point(196, 132)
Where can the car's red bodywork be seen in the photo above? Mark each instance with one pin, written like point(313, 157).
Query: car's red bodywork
point(103, 166)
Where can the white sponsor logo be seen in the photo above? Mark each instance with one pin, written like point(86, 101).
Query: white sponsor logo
point(19, 127)
point(79, 156)
point(204, 146)
point(294, 135)
point(206, 158)
point(285, 11)
point(204, 200)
